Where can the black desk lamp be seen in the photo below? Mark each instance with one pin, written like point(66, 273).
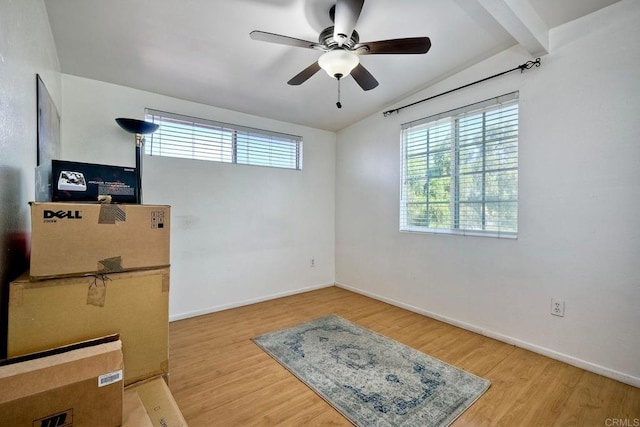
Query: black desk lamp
point(139, 128)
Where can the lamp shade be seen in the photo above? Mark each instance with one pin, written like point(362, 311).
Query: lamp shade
point(137, 126)
point(338, 62)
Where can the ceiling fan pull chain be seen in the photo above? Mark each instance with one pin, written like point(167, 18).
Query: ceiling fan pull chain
point(339, 104)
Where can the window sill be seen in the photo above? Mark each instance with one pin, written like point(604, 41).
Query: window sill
point(450, 232)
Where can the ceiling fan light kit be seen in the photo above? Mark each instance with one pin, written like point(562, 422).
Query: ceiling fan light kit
point(341, 47)
point(338, 63)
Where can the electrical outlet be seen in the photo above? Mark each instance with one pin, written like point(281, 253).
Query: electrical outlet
point(312, 263)
point(557, 307)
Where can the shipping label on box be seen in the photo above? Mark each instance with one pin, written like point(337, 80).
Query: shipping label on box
point(73, 386)
point(81, 238)
point(45, 314)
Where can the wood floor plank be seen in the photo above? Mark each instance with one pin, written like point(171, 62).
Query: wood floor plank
point(597, 400)
point(219, 377)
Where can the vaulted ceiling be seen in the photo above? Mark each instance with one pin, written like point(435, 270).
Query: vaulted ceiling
point(200, 50)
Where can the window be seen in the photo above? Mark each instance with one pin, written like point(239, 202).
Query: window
point(201, 139)
point(460, 171)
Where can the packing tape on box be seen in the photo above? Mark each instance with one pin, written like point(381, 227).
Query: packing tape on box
point(110, 265)
point(109, 214)
point(15, 296)
point(97, 293)
point(165, 282)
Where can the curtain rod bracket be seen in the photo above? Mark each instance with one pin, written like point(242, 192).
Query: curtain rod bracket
point(527, 65)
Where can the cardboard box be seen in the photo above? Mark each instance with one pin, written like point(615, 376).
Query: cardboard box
point(45, 314)
point(150, 403)
point(81, 238)
point(76, 386)
point(74, 181)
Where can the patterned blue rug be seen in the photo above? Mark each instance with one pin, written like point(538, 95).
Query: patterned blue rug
point(372, 380)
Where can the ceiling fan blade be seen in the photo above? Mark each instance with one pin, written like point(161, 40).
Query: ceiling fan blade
point(279, 39)
point(346, 16)
point(304, 75)
point(364, 78)
point(395, 46)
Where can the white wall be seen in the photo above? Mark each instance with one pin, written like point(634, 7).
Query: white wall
point(239, 234)
point(26, 49)
point(579, 205)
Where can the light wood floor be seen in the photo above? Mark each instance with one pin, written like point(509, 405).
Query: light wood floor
point(220, 378)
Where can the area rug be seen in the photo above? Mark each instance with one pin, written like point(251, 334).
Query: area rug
point(372, 380)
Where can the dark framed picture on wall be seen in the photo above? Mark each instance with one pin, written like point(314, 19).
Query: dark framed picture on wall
point(48, 125)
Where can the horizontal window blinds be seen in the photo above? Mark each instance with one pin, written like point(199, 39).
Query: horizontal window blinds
point(195, 138)
point(460, 170)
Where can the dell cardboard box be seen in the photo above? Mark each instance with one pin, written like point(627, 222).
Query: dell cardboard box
point(74, 181)
point(81, 238)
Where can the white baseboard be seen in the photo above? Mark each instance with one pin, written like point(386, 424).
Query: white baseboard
point(208, 310)
point(571, 360)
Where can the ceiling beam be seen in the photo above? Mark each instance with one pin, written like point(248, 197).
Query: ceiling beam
point(521, 20)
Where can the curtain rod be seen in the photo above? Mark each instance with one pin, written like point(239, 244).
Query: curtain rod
point(522, 67)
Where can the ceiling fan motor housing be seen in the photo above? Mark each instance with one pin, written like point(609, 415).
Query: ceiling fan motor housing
point(326, 39)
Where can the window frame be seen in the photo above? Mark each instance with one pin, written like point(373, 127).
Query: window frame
point(259, 145)
point(453, 148)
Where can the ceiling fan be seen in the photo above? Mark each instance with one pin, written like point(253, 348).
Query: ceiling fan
point(342, 48)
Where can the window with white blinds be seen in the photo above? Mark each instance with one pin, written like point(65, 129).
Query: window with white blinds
point(460, 170)
point(202, 139)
